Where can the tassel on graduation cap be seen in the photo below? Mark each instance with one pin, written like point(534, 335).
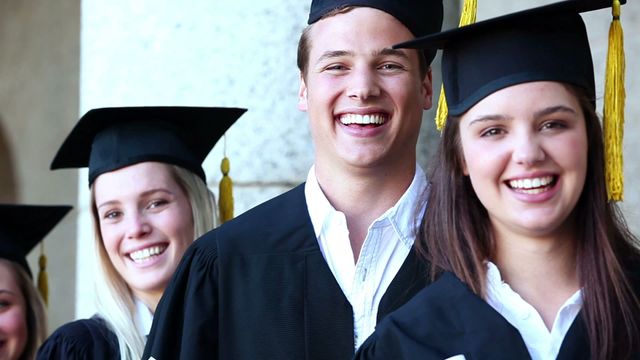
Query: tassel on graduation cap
point(468, 16)
point(43, 280)
point(614, 99)
point(225, 203)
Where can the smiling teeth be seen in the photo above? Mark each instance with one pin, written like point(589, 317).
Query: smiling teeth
point(145, 254)
point(533, 183)
point(376, 119)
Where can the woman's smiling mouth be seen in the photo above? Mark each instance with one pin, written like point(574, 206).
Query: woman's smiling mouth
point(142, 255)
point(534, 185)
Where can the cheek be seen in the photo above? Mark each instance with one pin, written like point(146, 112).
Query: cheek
point(13, 324)
point(323, 89)
point(110, 240)
point(473, 159)
point(574, 151)
point(405, 92)
point(182, 228)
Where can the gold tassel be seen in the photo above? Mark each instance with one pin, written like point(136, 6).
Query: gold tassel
point(614, 99)
point(43, 281)
point(443, 110)
point(226, 192)
point(468, 16)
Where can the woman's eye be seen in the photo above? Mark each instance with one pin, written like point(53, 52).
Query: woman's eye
point(491, 132)
point(4, 304)
point(157, 203)
point(111, 215)
point(553, 125)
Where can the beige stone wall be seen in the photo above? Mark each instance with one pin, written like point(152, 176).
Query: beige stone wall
point(39, 74)
point(159, 52)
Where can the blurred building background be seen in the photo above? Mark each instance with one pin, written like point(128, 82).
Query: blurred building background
point(59, 59)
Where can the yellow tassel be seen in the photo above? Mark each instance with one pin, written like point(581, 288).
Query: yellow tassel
point(614, 99)
point(226, 192)
point(468, 16)
point(443, 110)
point(43, 281)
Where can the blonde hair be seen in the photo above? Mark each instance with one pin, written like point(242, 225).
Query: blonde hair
point(114, 300)
point(36, 315)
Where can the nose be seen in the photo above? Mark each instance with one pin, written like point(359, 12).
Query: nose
point(527, 150)
point(363, 85)
point(138, 227)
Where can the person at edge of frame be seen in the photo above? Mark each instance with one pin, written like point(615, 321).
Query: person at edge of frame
point(23, 315)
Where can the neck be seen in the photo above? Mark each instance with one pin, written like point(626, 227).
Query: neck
point(363, 194)
point(150, 298)
point(541, 270)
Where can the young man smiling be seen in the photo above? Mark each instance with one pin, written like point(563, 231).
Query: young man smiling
point(307, 275)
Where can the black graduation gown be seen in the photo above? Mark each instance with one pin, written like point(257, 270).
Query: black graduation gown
point(258, 287)
point(447, 319)
point(81, 339)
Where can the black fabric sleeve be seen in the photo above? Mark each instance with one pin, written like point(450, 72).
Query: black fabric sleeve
point(81, 339)
point(185, 324)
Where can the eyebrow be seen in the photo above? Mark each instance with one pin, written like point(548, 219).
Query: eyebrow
point(8, 292)
point(553, 110)
point(392, 52)
point(146, 193)
point(334, 54)
point(383, 52)
point(544, 112)
point(484, 118)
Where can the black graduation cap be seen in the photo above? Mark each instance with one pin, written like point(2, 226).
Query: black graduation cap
point(547, 43)
point(108, 139)
point(22, 227)
point(421, 17)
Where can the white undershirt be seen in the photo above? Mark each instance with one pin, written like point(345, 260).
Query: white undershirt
point(386, 246)
point(541, 343)
point(143, 318)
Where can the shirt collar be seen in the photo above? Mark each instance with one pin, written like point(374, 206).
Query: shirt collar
point(500, 292)
point(143, 318)
point(405, 216)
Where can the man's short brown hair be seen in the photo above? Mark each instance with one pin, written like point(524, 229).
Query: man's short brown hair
point(304, 45)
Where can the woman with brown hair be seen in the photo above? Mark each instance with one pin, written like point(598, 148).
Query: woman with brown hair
point(23, 319)
point(531, 260)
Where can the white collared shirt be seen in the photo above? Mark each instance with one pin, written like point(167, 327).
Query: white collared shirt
point(386, 246)
point(541, 343)
point(143, 318)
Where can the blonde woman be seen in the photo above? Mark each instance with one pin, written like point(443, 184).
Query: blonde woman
point(149, 201)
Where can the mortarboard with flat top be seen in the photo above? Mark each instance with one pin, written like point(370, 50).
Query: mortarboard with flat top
point(544, 43)
point(107, 139)
point(547, 43)
point(22, 227)
point(421, 17)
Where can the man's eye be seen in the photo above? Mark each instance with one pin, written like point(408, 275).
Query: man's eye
point(391, 67)
point(336, 67)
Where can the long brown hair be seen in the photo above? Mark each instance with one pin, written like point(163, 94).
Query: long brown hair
point(457, 236)
point(36, 314)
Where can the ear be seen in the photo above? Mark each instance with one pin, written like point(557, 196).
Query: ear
point(302, 95)
point(427, 88)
